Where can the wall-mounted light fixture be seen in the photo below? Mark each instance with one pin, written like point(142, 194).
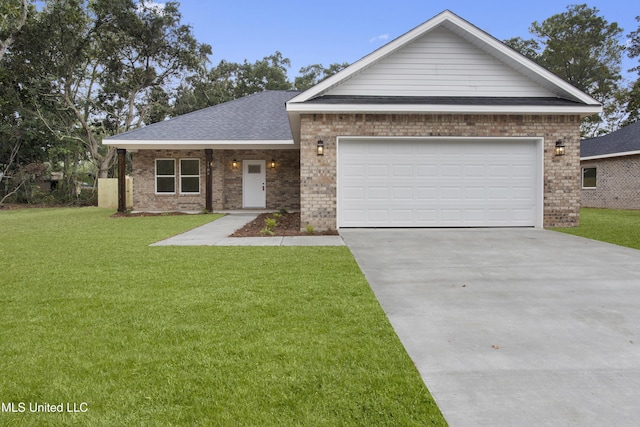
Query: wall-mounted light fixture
point(273, 164)
point(560, 148)
point(234, 163)
point(320, 148)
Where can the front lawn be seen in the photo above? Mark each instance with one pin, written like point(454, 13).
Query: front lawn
point(90, 314)
point(619, 227)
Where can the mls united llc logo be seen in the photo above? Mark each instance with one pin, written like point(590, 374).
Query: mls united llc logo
point(22, 407)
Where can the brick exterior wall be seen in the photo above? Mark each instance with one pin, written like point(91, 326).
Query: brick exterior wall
point(561, 173)
point(617, 183)
point(282, 182)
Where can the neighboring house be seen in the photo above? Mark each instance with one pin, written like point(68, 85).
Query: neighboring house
point(443, 127)
point(611, 169)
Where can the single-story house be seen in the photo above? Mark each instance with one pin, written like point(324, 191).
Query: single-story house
point(611, 169)
point(444, 126)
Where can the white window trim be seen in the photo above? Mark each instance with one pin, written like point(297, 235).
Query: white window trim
point(164, 176)
point(189, 176)
point(582, 178)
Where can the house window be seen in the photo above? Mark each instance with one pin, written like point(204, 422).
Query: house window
point(165, 176)
point(190, 176)
point(588, 177)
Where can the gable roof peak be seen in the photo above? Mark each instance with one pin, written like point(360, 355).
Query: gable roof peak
point(470, 34)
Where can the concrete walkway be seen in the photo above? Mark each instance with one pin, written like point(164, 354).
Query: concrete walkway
point(513, 327)
point(215, 233)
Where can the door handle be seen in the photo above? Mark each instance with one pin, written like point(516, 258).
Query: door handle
point(263, 186)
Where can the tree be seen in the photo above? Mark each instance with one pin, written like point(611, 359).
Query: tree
point(13, 15)
point(100, 62)
point(270, 73)
point(230, 80)
point(529, 48)
point(23, 141)
point(633, 96)
point(313, 74)
point(205, 89)
point(584, 49)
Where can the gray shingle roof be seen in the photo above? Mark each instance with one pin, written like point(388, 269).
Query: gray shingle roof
point(261, 116)
point(621, 141)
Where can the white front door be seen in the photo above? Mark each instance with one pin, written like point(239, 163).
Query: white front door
point(253, 184)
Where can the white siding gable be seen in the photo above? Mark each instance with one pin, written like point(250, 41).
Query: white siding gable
point(440, 63)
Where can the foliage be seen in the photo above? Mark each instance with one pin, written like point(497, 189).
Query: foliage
point(23, 185)
point(262, 336)
point(269, 225)
point(314, 74)
point(98, 67)
point(585, 50)
point(633, 96)
point(229, 81)
point(620, 227)
point(310, 229)
point(13, 15)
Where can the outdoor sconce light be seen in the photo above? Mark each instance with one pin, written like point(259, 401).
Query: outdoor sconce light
point(559, 148)
point(273, 163)
point(234, 163)
point(320, 148)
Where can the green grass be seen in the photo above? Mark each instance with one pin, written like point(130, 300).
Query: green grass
point(620, 227)
point(180, 336)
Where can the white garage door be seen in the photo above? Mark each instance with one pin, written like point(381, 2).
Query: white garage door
point(438, 183)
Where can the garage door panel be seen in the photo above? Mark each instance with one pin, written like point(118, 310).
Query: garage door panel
point(353, 170)
point(449, 170)
point(475, 193)
point(376, 170)
point(427, 183)
point(426, 193)
point(402, 171)
point(474, 171)
point(353, 193)
point(401, 194)
point(427, 170)
point(378, 215)
point(378, 193)
point(450, 193)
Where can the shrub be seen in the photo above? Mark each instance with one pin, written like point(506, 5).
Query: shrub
point(270, 223)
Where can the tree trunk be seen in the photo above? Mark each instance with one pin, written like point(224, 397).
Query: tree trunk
point(105, 163)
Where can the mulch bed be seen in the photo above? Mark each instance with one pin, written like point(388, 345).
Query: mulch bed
point(288, 225)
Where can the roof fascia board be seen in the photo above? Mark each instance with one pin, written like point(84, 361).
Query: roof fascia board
point(607, 156)
point(200, 145)
point(435, 108)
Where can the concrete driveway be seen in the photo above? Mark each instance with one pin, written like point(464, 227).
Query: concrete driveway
point(513, 327)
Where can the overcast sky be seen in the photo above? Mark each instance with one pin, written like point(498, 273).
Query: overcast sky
point(332, 31)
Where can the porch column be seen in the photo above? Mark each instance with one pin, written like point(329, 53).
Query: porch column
point(122, 180)
point(208, 153)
